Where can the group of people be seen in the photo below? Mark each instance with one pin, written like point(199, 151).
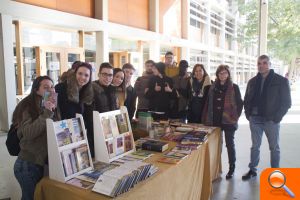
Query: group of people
point(166, 90)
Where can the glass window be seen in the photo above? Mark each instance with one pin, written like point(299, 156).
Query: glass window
point(41, 36)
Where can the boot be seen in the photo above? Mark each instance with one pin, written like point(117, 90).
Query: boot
point(230, 173)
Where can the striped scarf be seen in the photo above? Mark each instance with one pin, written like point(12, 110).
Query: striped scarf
point(230, 114)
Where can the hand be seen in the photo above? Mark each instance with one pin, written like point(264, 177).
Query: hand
point(167, 88)
point(49, 105)
point(157, 88)
point(146, 90)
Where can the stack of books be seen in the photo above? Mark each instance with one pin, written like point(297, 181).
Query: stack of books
point(151, 145)
point(75, 160)
point(194, 138)
point(174, 156)
point(120, 179)
point(175, 137)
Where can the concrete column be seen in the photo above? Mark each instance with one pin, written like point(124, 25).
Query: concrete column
point(235, 49)
point(263, 26)
point(185, 18)
point(154, 15)
point(102, 51)
point(7, 72)
point(101, 9)
point(222, 39)
point(154, 50)
point(208, 37)
point(185, 53)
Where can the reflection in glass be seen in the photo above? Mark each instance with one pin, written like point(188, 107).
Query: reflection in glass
point(53, 66)
point(29, 69)
point(72, 57)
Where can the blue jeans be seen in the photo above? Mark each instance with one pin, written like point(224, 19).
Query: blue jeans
point(258, 125)
point(28, 175)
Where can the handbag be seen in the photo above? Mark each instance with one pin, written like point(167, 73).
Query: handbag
point(13, 141)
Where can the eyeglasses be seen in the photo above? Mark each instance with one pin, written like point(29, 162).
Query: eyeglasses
point(106, 75)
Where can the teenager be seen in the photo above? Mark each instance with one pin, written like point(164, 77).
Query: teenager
point(29, 118)
point(76, 92)
point(199, 84)
point(141, 84)
point(181, 84)
point(130, 94)
point(160, 91)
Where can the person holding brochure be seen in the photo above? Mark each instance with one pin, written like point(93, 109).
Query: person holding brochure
point(30, 119)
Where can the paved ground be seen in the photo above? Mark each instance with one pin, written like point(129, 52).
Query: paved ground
point(290, 148)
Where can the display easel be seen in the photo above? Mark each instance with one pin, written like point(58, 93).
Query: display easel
point(100, 140)
point(56, 167)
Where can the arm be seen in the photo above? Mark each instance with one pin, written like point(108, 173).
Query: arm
point(151, 92)
point(31, 129)
point(247, 101)
point(238, 99)
point(286, 101)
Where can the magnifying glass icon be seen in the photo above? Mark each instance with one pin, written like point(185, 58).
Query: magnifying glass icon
point(277, 180)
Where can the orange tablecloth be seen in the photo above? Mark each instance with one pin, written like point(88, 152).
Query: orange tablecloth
point(190, 179)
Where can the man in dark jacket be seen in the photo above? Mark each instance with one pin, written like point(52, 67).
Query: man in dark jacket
point(130, 99)
point(104, 99)
point(140, 86)
point(266, 101)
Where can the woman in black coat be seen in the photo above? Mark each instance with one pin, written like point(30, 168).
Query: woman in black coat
point(160, 91)
point(198, 87)
point(76, 92)
point(223, 108)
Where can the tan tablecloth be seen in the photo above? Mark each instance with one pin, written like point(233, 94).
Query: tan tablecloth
point(190, 179)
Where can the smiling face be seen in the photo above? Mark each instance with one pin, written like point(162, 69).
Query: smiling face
point(83, 76)
point(118, 79)
point(45, 86)
point(198, 74)
point(223, 75)
point(106, 76)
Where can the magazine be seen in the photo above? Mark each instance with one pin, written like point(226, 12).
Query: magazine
point(119, 144)
point(82, 157)
point(106, 127)
point(122, 123)
point(110, 148)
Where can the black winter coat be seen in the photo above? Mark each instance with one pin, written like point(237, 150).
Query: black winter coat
point(276, 97)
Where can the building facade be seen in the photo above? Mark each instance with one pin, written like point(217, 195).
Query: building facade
point(44, 37)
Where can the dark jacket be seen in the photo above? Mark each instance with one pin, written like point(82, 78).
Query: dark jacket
point(197, 98)
point(130, 101)
point(71, 99)
point(275, 99)
point(181, 84)
point(140, 85)
point(218, 104)
point(104, 98)
point(160, 101)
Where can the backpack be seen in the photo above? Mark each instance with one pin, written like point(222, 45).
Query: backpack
point(13, 141)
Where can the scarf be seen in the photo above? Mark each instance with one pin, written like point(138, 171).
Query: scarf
point(198, 87)
point(229, 115)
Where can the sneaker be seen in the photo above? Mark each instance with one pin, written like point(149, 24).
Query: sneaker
point(249, 175)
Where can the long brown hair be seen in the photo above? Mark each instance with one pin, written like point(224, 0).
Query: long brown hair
point(32, 101)
point(222, 68)
point(202, 67)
